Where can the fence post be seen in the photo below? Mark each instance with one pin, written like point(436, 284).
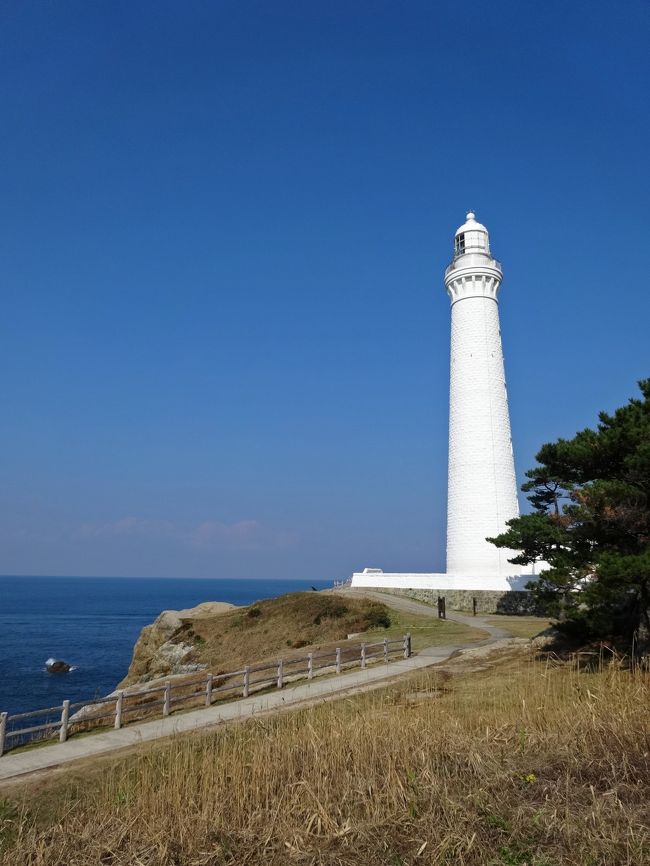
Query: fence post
point(386, 649)
point(363, 655)
point(3, 731)
point(407, 646)
point(280, 674)
point(118, 709)
point(65, 713)
point(338, 660)
point(473, 607)
point(247, 680)
point(310, 665)
point(167, 698)
point(208, 691)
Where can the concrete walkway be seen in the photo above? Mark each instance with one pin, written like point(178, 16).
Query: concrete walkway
point(14, 766)
point(411, 605)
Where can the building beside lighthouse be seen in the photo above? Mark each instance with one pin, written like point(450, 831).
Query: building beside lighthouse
point(482, 486)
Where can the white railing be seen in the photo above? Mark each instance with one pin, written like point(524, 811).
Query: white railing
point(206, 690)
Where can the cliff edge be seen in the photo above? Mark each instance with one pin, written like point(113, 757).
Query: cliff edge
point(221, 637)
point(161, 650)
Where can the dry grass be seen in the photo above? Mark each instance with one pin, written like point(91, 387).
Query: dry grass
point(526, 763)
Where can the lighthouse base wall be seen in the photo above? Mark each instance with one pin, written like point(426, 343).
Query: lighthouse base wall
point(505, 595)
point(514, 602)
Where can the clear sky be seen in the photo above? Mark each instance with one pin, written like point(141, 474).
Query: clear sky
point(223, 231)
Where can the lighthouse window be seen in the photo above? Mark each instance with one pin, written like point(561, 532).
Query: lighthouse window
point(460, 244)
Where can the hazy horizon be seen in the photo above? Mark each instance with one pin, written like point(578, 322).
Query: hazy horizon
point(150, 577)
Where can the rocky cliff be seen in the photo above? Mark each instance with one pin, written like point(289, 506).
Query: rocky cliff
point(168, 645)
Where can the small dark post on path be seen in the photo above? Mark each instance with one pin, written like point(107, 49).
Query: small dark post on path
point(473, 607)
point(442, 607)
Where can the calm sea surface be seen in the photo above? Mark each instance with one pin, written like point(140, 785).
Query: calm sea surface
point(93, 624)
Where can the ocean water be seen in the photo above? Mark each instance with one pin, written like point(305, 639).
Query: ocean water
point(93, 623)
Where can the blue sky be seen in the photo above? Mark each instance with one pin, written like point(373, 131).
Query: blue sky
point(223, 230)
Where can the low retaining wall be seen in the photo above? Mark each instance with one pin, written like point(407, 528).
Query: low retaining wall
point(517, 602)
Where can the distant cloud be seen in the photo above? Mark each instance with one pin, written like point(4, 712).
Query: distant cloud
point(244, 535)
point(207, 535)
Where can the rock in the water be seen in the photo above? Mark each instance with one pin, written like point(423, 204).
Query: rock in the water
point(57, 666)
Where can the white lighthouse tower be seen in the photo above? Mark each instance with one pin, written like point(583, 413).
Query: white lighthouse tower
point(482, 492)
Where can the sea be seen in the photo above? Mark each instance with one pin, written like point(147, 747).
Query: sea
point(92, 623)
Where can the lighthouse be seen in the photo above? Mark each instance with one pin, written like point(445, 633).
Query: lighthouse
point(482, 488)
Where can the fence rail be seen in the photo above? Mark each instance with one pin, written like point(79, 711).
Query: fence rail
point(62, 724)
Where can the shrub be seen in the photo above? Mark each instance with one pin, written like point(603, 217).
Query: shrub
point(331, 608)
point(377, 616)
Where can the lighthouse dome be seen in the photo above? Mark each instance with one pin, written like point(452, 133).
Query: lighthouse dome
point(471, 237)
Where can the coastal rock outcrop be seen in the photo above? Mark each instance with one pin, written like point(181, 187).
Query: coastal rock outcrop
point(166, 648)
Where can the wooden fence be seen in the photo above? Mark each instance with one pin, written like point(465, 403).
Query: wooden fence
point(123, 706)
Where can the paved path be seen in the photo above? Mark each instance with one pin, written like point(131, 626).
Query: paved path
point(411, 605)
point(45, 758)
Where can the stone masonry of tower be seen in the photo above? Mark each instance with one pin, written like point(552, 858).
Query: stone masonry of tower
point(482, 487)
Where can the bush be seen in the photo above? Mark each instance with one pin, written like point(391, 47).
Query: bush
point(331, 608)
point(377, 616)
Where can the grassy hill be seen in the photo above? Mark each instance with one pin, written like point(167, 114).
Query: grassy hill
point(276, 625)
point(247, 635)
point(287, 626)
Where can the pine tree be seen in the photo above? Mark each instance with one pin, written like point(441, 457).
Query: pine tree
point(591, 525)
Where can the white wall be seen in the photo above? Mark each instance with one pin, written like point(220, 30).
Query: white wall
point(396, 580)
point(482, 489)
